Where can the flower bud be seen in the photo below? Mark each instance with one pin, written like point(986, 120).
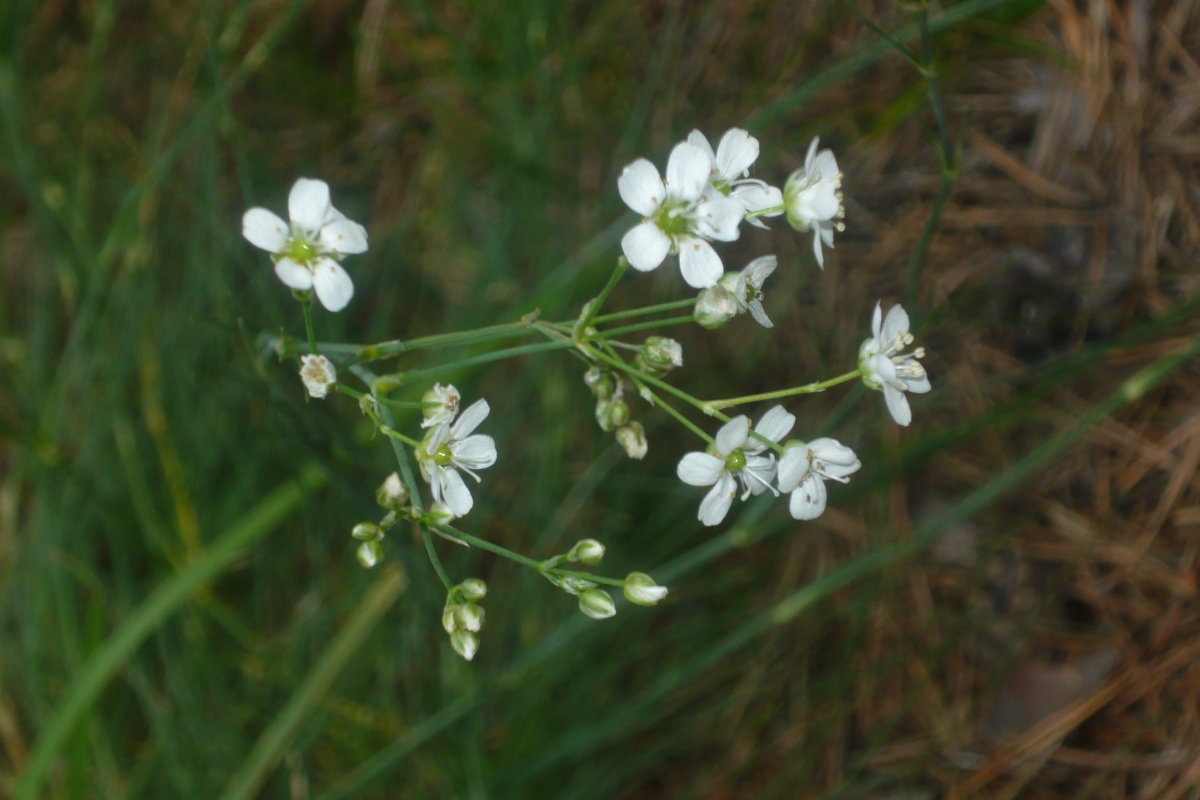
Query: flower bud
point(632, 437)
point(439, 405)
point(602, 382)
point(392, 494)
point(569, 583)
point(469, 616)
point(369, 553)
point(659, 354)
point(473, 589)
point(439, 514)
point(465, 643)
point(597, 604)
point(640, 589)
point(366, 532)
point(318, 374)
point(448, 620)
point(714, 307)
point(611, 414)
point(587, 551)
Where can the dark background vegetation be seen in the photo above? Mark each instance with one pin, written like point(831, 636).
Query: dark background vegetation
point(1003, 603)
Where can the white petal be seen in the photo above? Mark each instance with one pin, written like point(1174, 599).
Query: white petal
point(264, 229)
point(735, 153)
point(808, 499)
point(700, 140)
point(895, 323)
point(877, 321)
point(733, 434)
point(699, 469)
point(775, 424)
point(645, 246)
point(344, 236)
point(333, 286)
point(793, 466)
point(688, 169)
point(759, 313)
point(817, 248)
point(699, 263)
point(293, 275)
point(758, 270)
point(918, 385)
point(308, 202)
point(470, 419)
point(757, 196)
point(810, 157)
point(758, 474)
point(716, 503)
point(455, 493)
point(641, 187)
point(718, 217)
point(897, 405)
point(837, 461)
point(825, 166)
point(475, 452)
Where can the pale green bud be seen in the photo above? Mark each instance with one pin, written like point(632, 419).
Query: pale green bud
point(473, 589)
point(640, 589)
point(659, 354)
point(448, 620)
point(611, 414)
point(465, 643)
point(597, 604)
point(632, 437)
point(392, 493)
point(366, 532)
point(714, 307)
point(369, 553)
point(439, 514)
point(602, 382)
point(587, 551)
point(469, 616)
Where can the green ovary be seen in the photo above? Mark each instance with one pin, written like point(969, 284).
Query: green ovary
point(443, 456)
point(736, 462)
point(301, 251)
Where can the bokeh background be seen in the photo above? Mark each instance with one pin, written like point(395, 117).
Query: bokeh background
point(1003, 603)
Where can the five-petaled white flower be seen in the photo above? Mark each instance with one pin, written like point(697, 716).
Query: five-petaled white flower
point(735, 153)
point(735, 457)
point(813, 198)
point(886, 368)
point(306, 251)
point(450, 447)
point(680, 214)
point(745, 287)
point(318, 374)
point(804, 468)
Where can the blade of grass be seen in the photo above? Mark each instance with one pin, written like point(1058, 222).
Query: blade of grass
point(164, 601)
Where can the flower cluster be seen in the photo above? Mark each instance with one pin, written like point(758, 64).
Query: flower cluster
point(462, 616)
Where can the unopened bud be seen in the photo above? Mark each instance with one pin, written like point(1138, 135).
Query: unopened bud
point(641, 589)
point(659, 354)
point(439, 514)
point(392, 493)
point(632, 437)
point(448, 620)
point(597, 604)
point(714, 307)
point(469, 616)
point(366, 532)
point(602, 382)
point(369, 553)
point(611, 414)
point(465, 643)
point(473, 589)
point(586, 551)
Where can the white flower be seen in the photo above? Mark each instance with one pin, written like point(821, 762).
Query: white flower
point(318, 374)
point(813, 197)
point(306, 251)
point(736, 152)
point(449, 448)
point(804, 468)
point(885, 368)
point(745, 287)
point(680, 214)
point(439, 405)
point(735, 457)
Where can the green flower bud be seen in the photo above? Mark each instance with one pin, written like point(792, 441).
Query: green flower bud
point(439, 514)
point(473, 589)
point(587, 551)
point(448, 620)
point(392, 494)
point(714, 307)
point(659, 354)
point(611, 414)
point(602, 382)
point(369, 553)
point(366, 532)
point(640, 589)
point(632, 437)
point(597, 604)
point(469, 616)
point(465, 643)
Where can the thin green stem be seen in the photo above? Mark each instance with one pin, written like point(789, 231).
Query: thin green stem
point(434, 560)
point(308, 326)
point(593, 306)
point(397, 379)
point(491, 333)
point(641, 312)
point(640, 379)
point(809, 388)
point(491, 547)
point(644, 326)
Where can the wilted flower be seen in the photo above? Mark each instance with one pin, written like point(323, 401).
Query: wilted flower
point(318, 374)
point(745, 287)
point(632, 438)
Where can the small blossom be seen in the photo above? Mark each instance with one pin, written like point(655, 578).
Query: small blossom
point(640, 589)
point(745, 287)
point(885, 368)
point(449, 448)
point(307, 250)
point(439, 405)
point(804, 468)
point(632, 438)
point(735, 457)
point(597, 604)
point(318, 374)
point(735, 153)
point(680, 214)
point(813, 197)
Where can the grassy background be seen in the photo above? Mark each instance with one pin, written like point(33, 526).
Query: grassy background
point(1002, 603)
